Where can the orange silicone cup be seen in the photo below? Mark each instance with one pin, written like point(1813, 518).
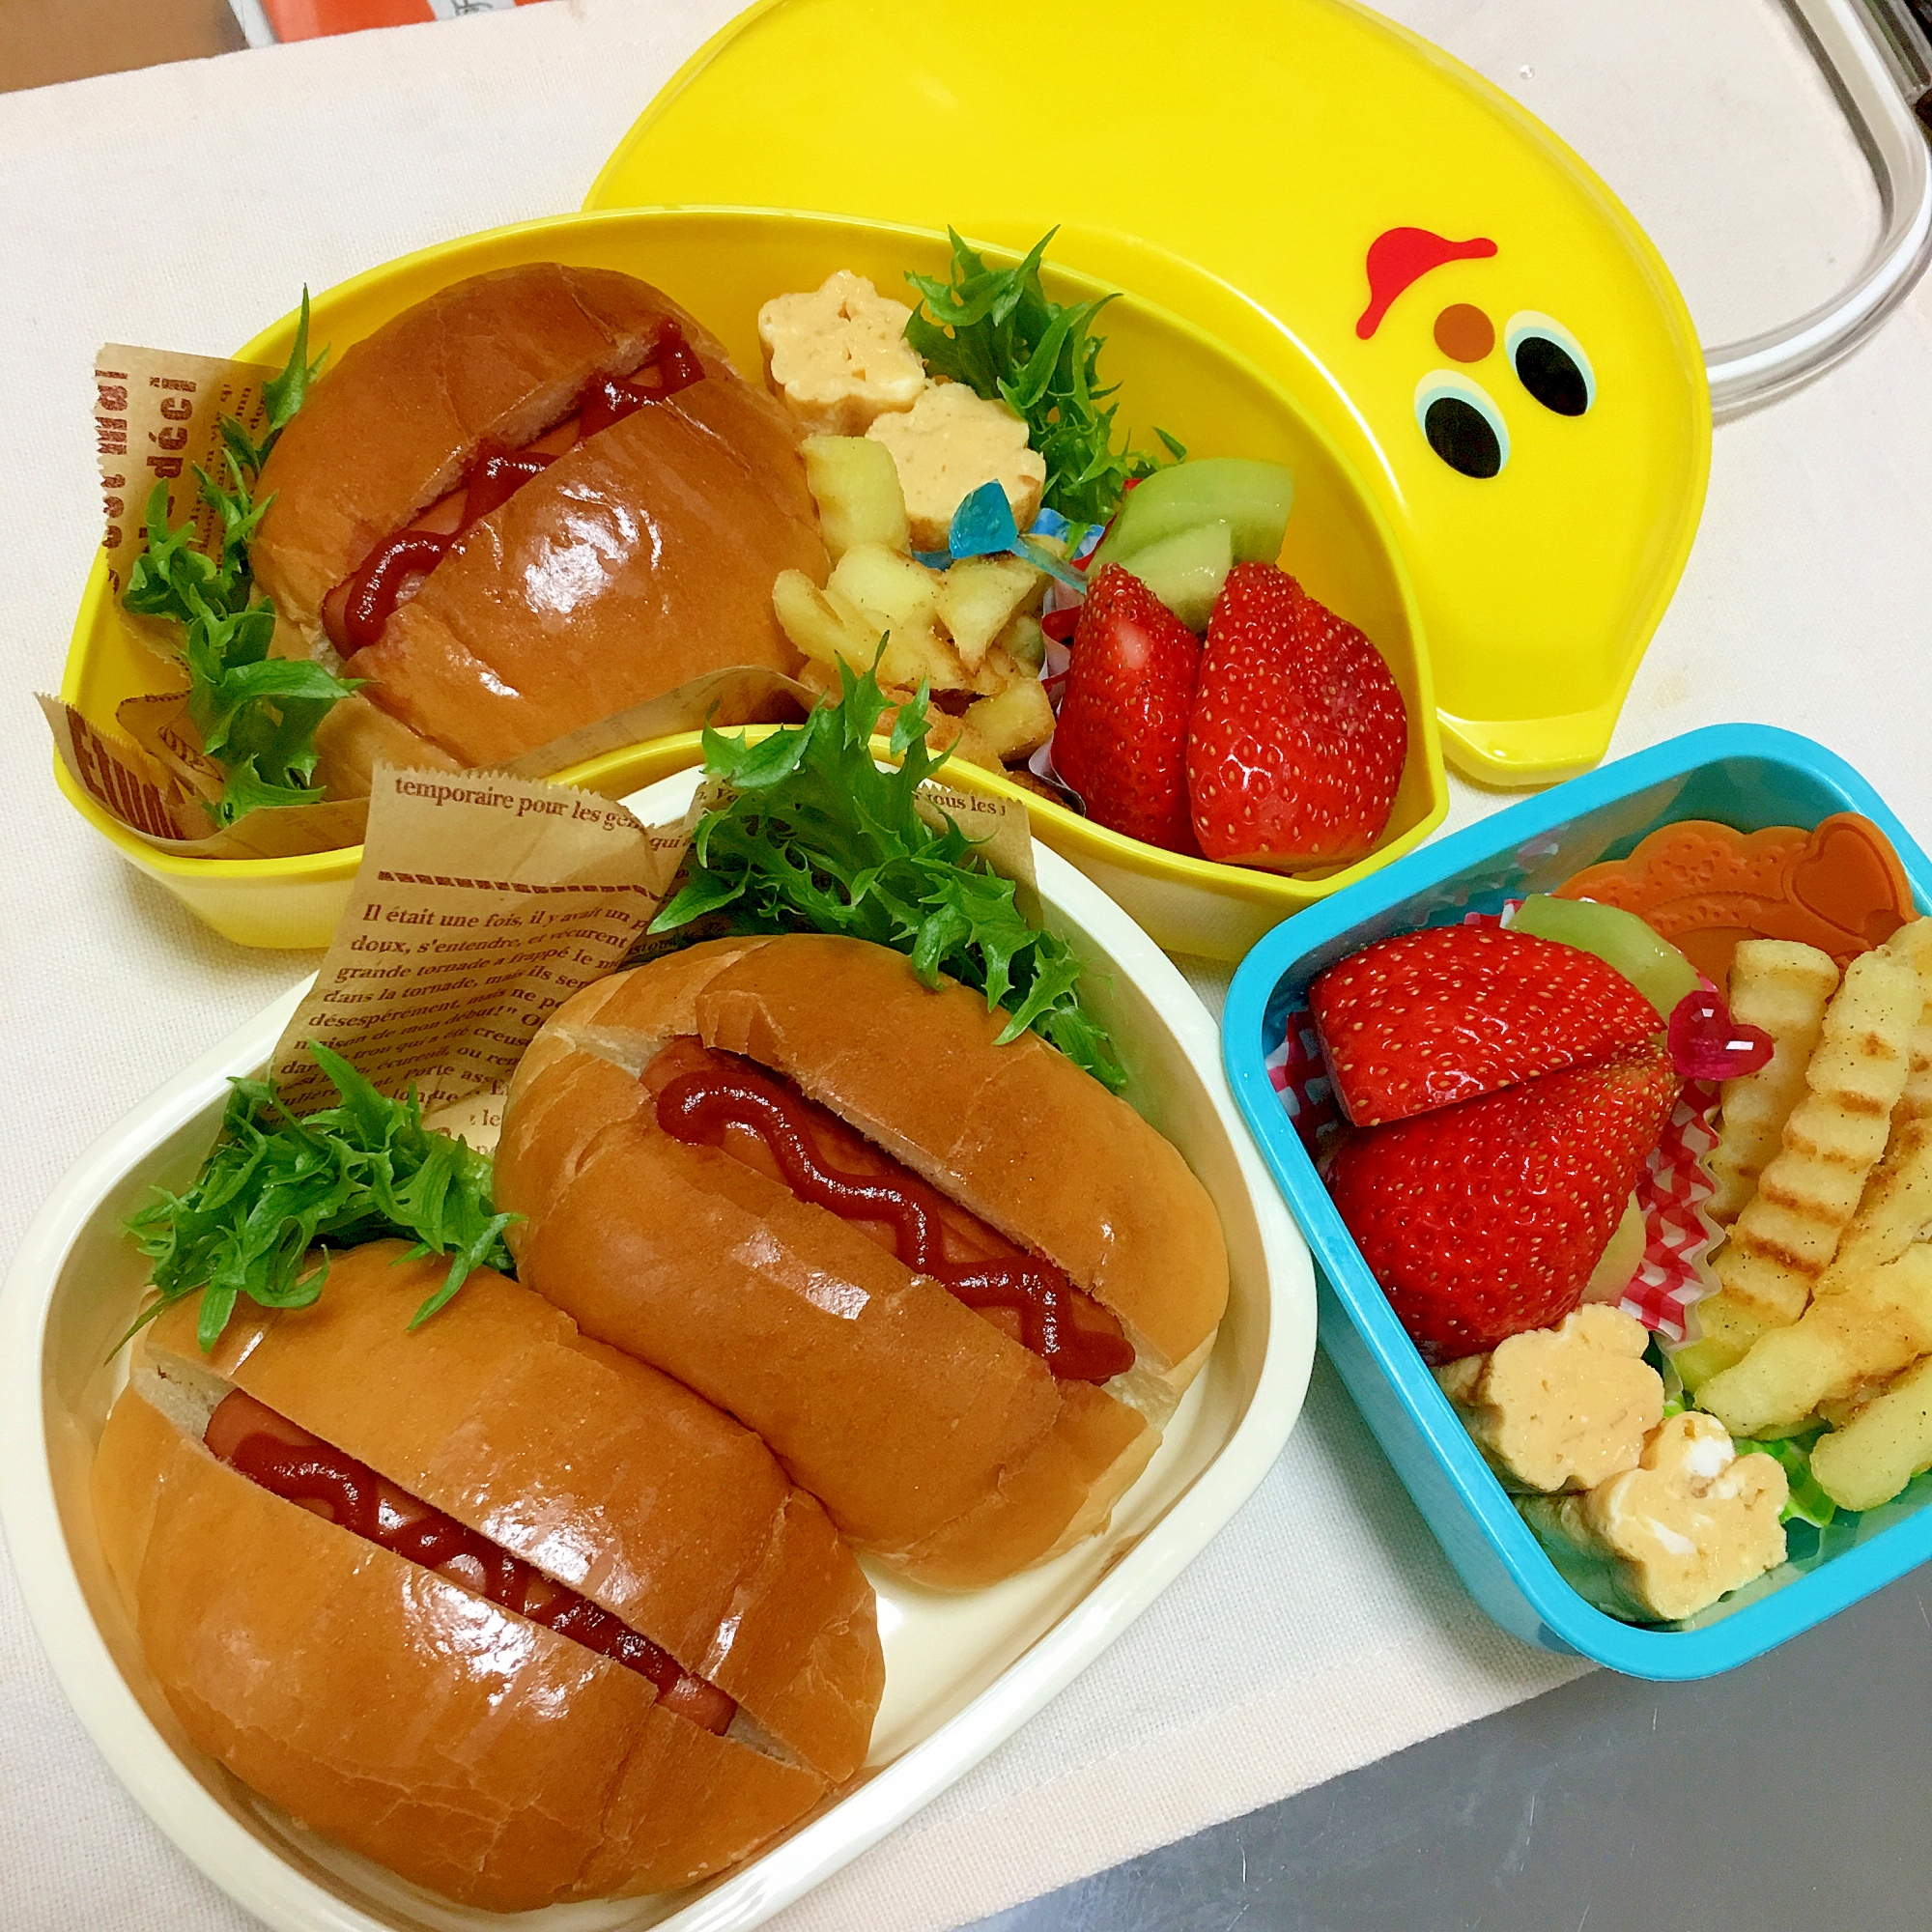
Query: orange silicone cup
point(1704, 887)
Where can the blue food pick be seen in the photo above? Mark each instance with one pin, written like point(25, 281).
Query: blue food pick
point(982, 525)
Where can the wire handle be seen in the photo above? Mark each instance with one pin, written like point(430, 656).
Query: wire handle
point(1876, 56)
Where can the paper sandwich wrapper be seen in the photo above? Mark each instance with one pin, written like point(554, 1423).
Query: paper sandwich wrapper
point(157, 420)
point(483, 902)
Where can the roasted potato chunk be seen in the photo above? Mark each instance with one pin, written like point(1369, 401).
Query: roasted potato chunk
point(1013, 723)
point(824, 625)
point(856, 485)
point(979, 596)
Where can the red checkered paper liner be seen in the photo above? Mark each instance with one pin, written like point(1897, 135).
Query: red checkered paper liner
point(1672, 1191)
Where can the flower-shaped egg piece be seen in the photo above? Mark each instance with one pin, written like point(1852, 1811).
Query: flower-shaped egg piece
point(1691, 1523)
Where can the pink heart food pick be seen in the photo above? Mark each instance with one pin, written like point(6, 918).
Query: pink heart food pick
point(1706, 1043)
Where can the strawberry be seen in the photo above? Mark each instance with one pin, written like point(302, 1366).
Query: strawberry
point(1429, 1018)
point(1298, 734)
point(1121, 738)
point(1485, 1220)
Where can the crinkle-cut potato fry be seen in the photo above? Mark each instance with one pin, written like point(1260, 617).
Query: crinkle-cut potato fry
point(1878, 1323)
point(1787, 1233)
point(1724, 1333)
point(1894, 1212)
point(1913, 943)
point(1868, 1460)
point(1783, 987)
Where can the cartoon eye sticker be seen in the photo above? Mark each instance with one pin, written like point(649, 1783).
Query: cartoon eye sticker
point(1550, 362)
point(1462, 423)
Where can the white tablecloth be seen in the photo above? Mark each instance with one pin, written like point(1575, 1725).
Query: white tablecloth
point(183, 205)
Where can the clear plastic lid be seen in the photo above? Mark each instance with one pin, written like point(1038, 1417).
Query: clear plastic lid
point(1770, 149)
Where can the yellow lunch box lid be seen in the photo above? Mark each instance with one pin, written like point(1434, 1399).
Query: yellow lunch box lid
point(1437, 279)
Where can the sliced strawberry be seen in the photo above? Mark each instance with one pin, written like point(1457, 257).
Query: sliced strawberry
point(1298, 734)
point(1429, 1018)
point(1121, 738)
point(1481, 1220)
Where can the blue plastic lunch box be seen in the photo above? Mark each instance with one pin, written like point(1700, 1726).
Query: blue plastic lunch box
point(1745, 775)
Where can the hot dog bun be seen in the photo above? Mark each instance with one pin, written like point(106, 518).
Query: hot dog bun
point(640, 559)
point(934, 1439)
point(468, 1749)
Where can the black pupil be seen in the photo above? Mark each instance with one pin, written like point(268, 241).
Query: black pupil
point(1550, 373)
point(1460, 433)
